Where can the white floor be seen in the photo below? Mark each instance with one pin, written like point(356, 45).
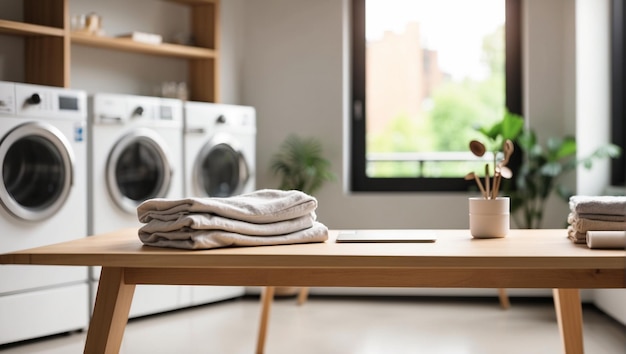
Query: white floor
point(363, 325)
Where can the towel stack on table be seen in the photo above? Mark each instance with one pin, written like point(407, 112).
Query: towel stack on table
point(263, 217)
point(599, 221)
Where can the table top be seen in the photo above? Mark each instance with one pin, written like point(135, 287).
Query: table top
point(521, 249)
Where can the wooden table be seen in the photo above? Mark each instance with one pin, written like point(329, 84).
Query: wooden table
point(524, 259)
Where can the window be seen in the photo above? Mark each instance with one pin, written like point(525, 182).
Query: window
point(419, 87)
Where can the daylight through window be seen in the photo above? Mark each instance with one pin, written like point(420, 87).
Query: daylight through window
point(432, 71)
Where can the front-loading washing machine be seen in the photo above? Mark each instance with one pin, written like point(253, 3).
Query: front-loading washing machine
point(43, 192)
point(135, 154)
point(219, 149)
point(219, 159)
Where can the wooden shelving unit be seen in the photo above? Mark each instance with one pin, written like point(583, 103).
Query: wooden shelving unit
point(48, 39)
point(128, 45)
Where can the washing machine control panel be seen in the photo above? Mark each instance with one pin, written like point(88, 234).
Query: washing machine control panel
point(41, 101)
point(141, 110)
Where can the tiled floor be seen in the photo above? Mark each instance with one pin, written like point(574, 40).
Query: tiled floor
point(363, 325)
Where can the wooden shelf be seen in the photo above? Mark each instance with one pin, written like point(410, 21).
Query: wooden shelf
point(27, 29)
point(47, 38)
point(124, 44)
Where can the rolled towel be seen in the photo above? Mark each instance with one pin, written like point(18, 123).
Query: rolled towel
point(606, 239)
point(208, 239)
point(583, 224)
point(259, 207)
point(190, 222)
point(607, 205)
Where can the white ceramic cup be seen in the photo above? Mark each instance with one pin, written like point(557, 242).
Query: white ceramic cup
point(489, 218)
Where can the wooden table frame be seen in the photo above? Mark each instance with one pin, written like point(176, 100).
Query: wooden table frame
point(524, 259)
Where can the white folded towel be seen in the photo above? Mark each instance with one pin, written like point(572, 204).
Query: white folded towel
point(606, 239)
point(607, 205)
point(259, 207)
point(207, 239)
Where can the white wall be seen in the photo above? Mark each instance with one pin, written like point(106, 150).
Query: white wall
point(593, 99)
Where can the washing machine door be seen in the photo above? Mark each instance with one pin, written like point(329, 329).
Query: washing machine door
point(220, 169)
point(37, 164)
point(138, 168)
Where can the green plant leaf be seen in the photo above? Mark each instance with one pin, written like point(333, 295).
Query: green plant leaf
point(551, 169)
point(567, 148)
point(512, 125)
point(527, 140)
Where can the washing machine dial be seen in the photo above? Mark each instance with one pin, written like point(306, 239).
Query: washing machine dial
point(221, 119)
point(35, 98)
point(138, 111)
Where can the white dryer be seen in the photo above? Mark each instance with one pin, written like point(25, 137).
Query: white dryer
point(219, 158)
point(135, 155)
point(219, 149)
point(43, 164)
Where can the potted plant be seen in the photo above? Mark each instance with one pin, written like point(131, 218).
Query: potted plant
point(301, 166)
point(541, 169)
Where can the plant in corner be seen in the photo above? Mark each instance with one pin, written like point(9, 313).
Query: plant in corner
point(300, 165)
point(541, 169)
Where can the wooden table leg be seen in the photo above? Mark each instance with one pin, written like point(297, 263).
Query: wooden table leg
point(267, 296)
point(303, 295)
point(570, 319)
point(504, 299)
point(110, 313)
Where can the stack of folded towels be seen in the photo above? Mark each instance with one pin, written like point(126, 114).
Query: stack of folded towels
point(263, 217)
point(599, 221)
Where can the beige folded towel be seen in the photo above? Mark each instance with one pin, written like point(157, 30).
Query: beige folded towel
point(606, 239)
point(607, 205)
point(583, 225)
point(259, 207)
point(208, 239)
point(574, 236)
point(190, 222)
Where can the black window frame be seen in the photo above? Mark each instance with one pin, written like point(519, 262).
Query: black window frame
point(359, 181)
point(618, 79)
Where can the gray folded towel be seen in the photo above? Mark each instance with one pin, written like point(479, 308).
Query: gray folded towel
point(607, 205)
point(208, 239)
point(259, 207)
point(198, 221)
point(601, 217)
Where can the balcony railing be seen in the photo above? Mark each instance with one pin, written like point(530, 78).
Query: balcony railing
point(426, 164)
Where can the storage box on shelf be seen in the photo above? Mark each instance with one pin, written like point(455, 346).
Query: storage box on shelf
point(47, 35)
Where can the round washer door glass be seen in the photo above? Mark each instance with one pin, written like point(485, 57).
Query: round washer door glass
point(221, 170)
point(36, 164)
point(138, 169)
